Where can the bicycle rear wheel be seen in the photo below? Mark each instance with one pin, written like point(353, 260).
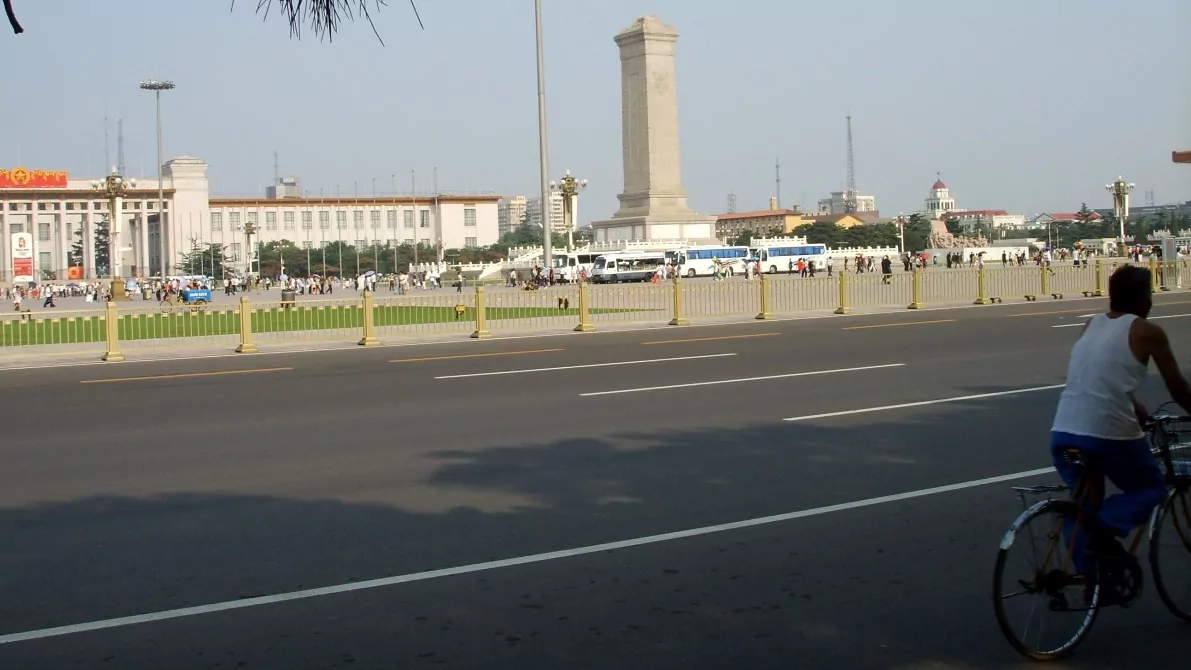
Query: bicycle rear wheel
point(1170, 552)
point(1044, 609)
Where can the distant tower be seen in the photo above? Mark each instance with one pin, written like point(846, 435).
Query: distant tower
point(732, 202)
point(850, 193)
point(1149, 197)
point(107, 145)
point(777, 170)
point(120, 146)
point(276, 168)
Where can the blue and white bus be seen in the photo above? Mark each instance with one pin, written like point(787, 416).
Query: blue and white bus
point(701, 261)
point(777, 258)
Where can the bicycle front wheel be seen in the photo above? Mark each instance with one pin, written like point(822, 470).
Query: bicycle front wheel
point(1044, 608)
point(1170, 551)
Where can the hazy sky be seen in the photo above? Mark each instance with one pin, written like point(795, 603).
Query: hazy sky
point(1026, 105)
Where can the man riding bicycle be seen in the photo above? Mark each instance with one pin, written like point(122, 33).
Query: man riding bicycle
point(1099, 416)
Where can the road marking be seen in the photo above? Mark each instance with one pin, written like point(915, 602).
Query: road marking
point(924, 402)
point(738, 381)
point(892, 325)
point(1152, 318)
point(579, 367)
point(1060, 311)
point(182, 375)
point(505, 563)
point(713, 339)
point(487, 355)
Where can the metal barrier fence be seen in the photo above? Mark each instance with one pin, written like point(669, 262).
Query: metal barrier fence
point(369, 320)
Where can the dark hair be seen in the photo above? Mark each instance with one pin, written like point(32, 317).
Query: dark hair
point(1129, 288)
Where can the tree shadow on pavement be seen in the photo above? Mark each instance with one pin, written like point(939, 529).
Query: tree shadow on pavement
point(902, 585)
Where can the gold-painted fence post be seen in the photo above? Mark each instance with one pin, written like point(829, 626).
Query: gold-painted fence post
point(981, 287)
point(844, 307)
point(585, 324)
point(765, 313)
point(916, 290)
point(481, 332)
point(112, 323)
point(1156, 275)
point(679, 318)
point(1099, 292)
point(246, 345)
point(1044, 270)
point(369, 339)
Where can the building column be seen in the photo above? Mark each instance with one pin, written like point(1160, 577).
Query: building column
point(88, 243)
point(5, 244)
point(142, 266)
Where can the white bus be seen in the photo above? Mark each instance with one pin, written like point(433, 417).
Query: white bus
point(627, 266)
point(574, 262)
point(777, 258)
point(701, 261)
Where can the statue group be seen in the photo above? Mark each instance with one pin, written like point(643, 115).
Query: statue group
point(940, 238)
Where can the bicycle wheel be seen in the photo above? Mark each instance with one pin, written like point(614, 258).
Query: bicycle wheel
point(1042, 607)
point(1170, 552)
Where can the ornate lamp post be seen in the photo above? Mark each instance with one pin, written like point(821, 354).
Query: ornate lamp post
point(1120, 206)
point(569, 188)
point(114, 187)
point(249, 231)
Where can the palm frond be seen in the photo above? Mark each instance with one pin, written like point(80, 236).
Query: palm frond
point(16, 25)
point(324, 17)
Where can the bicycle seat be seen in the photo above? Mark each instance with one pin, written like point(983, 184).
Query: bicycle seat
point(1081, 460)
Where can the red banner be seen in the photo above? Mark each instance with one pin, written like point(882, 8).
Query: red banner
point(26, 178)
point(22, 267)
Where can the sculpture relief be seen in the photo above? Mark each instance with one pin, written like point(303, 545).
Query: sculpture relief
point(941, 239)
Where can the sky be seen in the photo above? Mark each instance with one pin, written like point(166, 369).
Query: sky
point(1023, 105)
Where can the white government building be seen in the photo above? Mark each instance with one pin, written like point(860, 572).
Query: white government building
point(54, 215)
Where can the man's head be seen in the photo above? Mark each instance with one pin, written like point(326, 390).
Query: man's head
point(1130, 291)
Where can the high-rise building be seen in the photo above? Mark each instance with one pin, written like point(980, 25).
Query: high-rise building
point(533, 213)
point(510, 214)
point(837, 203)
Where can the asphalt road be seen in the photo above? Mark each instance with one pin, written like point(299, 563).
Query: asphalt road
point(139, 488)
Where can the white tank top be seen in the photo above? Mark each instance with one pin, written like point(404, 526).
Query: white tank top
point(1100, 376)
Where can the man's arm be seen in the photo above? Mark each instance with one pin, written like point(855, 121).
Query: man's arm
point(1157, 346)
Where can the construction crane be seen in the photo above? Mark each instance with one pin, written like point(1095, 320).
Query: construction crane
point(850, 193)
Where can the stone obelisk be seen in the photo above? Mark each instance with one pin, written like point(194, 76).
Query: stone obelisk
point(653, 205)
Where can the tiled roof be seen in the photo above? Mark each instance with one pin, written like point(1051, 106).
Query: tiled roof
point(756, 215)
point(938, 185)
point(978, 212)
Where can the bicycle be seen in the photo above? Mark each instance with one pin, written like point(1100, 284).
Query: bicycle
point(1076, 598)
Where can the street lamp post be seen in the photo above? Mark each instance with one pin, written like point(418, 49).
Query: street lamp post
point(114, 187)
point(901, 233)
point(569, 188)
point(157, 87)
point(249, 231)
point(543, 155)
point(1120, 206)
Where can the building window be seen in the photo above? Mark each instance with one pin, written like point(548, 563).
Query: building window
point(307, 244)
point(324, 220)
point(374, 218)
point(43, 232)
point(469, 216)
point(270, 220)
point(217, 222)
point(251, 218)
point(425, 241)
point(392, 243)
point(470, 242)
point(234, 251)
point(341, 219)
point(233, 219)
point(307, 220)
point(424, 218)
point(361, 243)
point(288, 219)
point(392, 216)
point(16, 228)
point(358, 218)
point(45, 260)
point(408, 216)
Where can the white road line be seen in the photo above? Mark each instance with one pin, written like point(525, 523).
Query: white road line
point(578, 367)
point(920, 403)
point(1152, 318)
point(738, 381)
point(505, 563)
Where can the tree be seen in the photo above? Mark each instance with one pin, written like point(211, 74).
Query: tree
point(1085, 215)
point(322, 16)
point(744, 239)
point(953, 225)
point(527, 235)
point(77, 254)
point(206, 260)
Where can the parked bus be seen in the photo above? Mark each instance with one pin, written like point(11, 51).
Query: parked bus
point(701, 261)
point(574, 262)
point(777, 258)
point(627, 266)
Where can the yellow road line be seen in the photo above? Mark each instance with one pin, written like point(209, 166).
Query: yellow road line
point(892, 325)
point(182, 375)
point(713, 339)
point(487, 355)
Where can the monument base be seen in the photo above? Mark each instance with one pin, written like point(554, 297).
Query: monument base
point(693, 227)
